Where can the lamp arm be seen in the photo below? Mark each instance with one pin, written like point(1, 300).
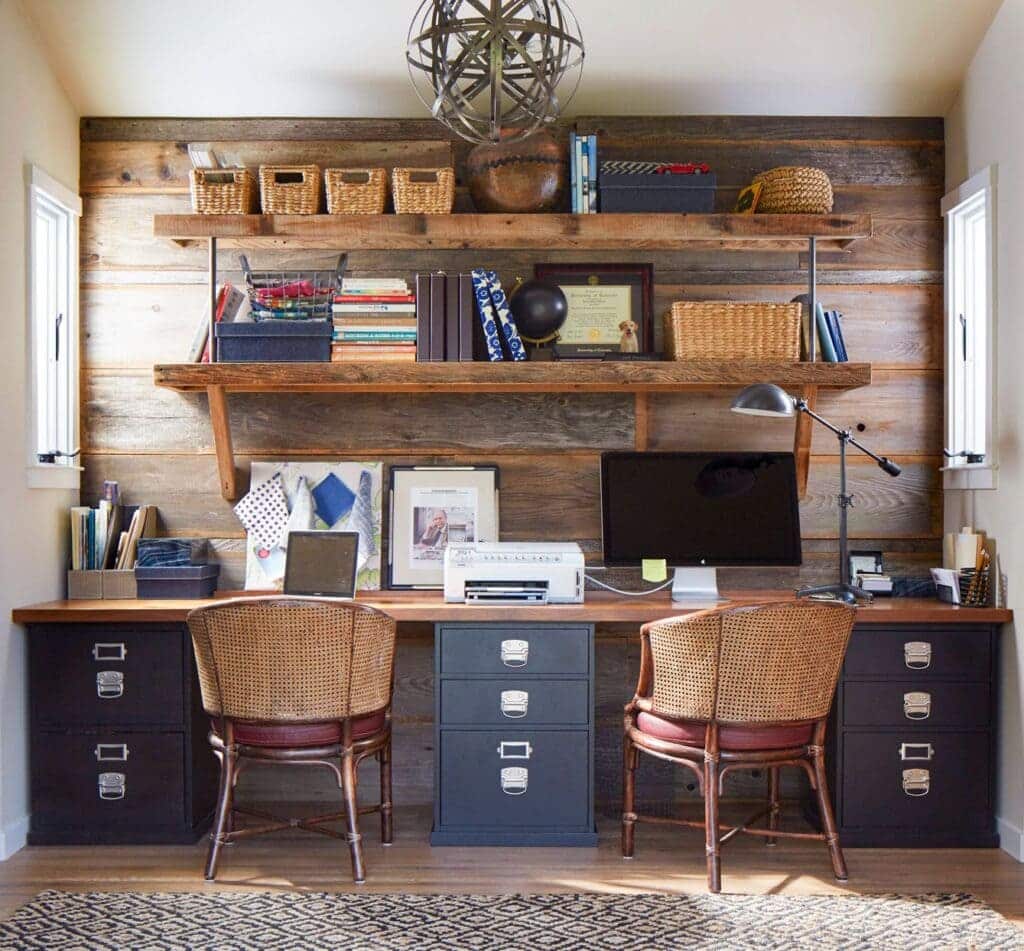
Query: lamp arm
point(887, 464)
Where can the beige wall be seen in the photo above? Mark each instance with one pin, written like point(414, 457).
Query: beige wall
point(986, 127)
point(38, 125)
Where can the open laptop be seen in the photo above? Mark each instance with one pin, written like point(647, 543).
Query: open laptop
point(322, 564)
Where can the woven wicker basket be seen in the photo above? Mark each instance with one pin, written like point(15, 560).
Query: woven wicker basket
point(793, 190)
point(356, 191)
point(290, 189)
point(218, 191)
point(423, 191)
point(726, 330)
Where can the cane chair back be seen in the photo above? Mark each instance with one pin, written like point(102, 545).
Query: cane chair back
point(771, 663)
point(293, 659)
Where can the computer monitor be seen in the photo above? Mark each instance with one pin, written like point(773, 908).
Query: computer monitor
point(322, 564)
point(698, 511)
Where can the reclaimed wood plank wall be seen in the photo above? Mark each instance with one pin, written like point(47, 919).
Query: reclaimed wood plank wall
point(141, 300)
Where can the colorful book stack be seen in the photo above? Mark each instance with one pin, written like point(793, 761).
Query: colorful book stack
point(374, 320)
point(583, 172)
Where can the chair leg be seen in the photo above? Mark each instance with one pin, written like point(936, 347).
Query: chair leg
point(828, 819)
point(386, 822)
point(630, 756)
point(711, 832)
point(225, 801)
point(348, 785)
point(773, 803)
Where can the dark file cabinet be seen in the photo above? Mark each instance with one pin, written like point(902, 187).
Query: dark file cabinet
point(514, 735)
point(118, 736)
point(912, 739)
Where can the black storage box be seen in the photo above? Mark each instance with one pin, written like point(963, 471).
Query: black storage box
point(618, 191)
point(275, 341)
point(189, 581)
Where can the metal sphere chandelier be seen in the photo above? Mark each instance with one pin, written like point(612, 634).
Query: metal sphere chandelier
point(484, 66)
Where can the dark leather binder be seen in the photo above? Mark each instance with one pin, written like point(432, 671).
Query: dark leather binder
point(451, 319)
point(437, 298)
point(422, 318)
point(471, 335)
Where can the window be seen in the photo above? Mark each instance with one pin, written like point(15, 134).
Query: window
point(53, 332)
point(969, 212)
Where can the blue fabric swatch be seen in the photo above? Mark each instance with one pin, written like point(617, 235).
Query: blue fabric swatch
point(333, 499)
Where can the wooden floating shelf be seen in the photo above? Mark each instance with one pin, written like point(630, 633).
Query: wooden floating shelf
point(525, 232)
point(639, 379)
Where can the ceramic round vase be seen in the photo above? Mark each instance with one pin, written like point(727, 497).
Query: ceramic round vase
point(525, 176)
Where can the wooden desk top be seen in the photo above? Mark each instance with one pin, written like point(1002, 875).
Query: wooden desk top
point(599, 607)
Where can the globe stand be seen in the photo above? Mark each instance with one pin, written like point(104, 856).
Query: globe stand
point(542, 350)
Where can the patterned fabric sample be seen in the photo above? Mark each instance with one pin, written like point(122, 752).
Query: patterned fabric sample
point(362, 518)
point(264, 512)
point(303, 518)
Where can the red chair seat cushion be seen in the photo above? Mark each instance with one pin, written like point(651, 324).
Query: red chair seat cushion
point(753, 737)
point(300, 735)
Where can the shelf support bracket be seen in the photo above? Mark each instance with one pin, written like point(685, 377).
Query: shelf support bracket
point(641, 422)
point(802, 440)
point(221, 421)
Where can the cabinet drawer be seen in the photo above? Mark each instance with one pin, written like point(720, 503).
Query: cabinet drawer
point(951, 792)
point(102, 781)
point(905, 704)
point(514, 703)
point(543, 781)
point(510, 651)
point(99, 674)
point(918, 655)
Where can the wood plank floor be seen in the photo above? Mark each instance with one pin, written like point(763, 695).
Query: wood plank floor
point(666, 861)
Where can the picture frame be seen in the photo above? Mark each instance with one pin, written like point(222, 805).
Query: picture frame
point(868, 561)
point(604, 300)
point(431, 507)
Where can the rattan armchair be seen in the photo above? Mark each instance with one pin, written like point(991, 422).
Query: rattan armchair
point(738, 688)
point(299, 681)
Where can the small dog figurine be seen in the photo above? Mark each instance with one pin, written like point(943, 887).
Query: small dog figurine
point(628, 342)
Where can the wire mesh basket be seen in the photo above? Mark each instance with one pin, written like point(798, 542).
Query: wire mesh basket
point(304, 294)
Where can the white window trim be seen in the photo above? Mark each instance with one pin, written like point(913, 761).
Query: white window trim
point(974, 475)
point(43, 475)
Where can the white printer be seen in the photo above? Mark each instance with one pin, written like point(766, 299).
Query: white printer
point(514, 573)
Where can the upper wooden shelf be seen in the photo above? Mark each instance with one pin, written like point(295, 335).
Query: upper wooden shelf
point(538, 377)
point(536, 232)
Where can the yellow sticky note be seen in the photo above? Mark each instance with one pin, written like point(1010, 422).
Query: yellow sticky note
point(654, 569)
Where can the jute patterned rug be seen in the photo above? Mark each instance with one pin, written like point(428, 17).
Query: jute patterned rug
point(289, 921)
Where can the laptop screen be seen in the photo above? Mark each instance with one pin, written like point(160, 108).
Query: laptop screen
point(322, 563)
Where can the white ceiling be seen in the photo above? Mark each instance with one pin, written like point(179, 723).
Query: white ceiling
point(346, 57)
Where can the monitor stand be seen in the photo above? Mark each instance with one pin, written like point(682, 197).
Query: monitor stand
point(700, 584)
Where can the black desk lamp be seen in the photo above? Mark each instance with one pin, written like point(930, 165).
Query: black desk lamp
point(767, 399)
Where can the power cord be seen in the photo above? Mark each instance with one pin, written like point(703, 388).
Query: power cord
point(629, 594)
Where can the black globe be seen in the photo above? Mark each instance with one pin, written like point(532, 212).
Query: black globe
point(539, 309)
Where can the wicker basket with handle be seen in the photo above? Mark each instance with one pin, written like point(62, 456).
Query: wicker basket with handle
point(356, 191)
point(222, 191)
point(290, 189)
point(423, 191)
point(794, 190)
point(729, 330)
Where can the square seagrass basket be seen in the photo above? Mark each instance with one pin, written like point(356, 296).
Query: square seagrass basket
point(222, 191)
point(356, 191)
point(290, 189)
point(728, 330)
point(423, 191)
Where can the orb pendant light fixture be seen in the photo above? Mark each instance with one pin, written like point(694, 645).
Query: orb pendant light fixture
point(483, 66)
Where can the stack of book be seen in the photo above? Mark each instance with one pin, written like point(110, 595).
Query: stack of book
point(374, 319)
point(830, 333)
point(583, 172)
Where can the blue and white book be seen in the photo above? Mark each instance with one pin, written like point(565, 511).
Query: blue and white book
point(584, 177)
point(574, 172)
point(592, 171)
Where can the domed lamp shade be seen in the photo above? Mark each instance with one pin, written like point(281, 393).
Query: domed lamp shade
point(764, 399)
point(481, 66)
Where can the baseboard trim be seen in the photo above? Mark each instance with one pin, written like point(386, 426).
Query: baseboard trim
point(1011, 838)
point(13, 837)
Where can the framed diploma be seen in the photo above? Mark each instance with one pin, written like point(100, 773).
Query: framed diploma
point(610, 308)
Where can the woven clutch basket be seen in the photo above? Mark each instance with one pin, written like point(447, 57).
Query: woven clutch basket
point(290, 189)
point(423, 191)
point(794, 190)
point(222, 191)
point(356, 191)
point(726, 330)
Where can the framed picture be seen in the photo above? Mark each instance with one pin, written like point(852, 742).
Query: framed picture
point(431, 507)
point(611, 308)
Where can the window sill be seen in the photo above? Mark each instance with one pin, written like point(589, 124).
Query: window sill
point(44, 476)
point(981, 476)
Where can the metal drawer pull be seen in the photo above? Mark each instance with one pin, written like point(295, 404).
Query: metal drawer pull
point(518, 749)
point(917, 705)
point(109, 752)
point(514, 780)
point(911, 751)
point(109, 651)
point(917, 655)
point(109, 684)
point(514, 704)
point(111, 785)
point(916, 782)
point(515, 653)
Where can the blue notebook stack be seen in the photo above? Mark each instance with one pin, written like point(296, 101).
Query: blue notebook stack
point(830, 335)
